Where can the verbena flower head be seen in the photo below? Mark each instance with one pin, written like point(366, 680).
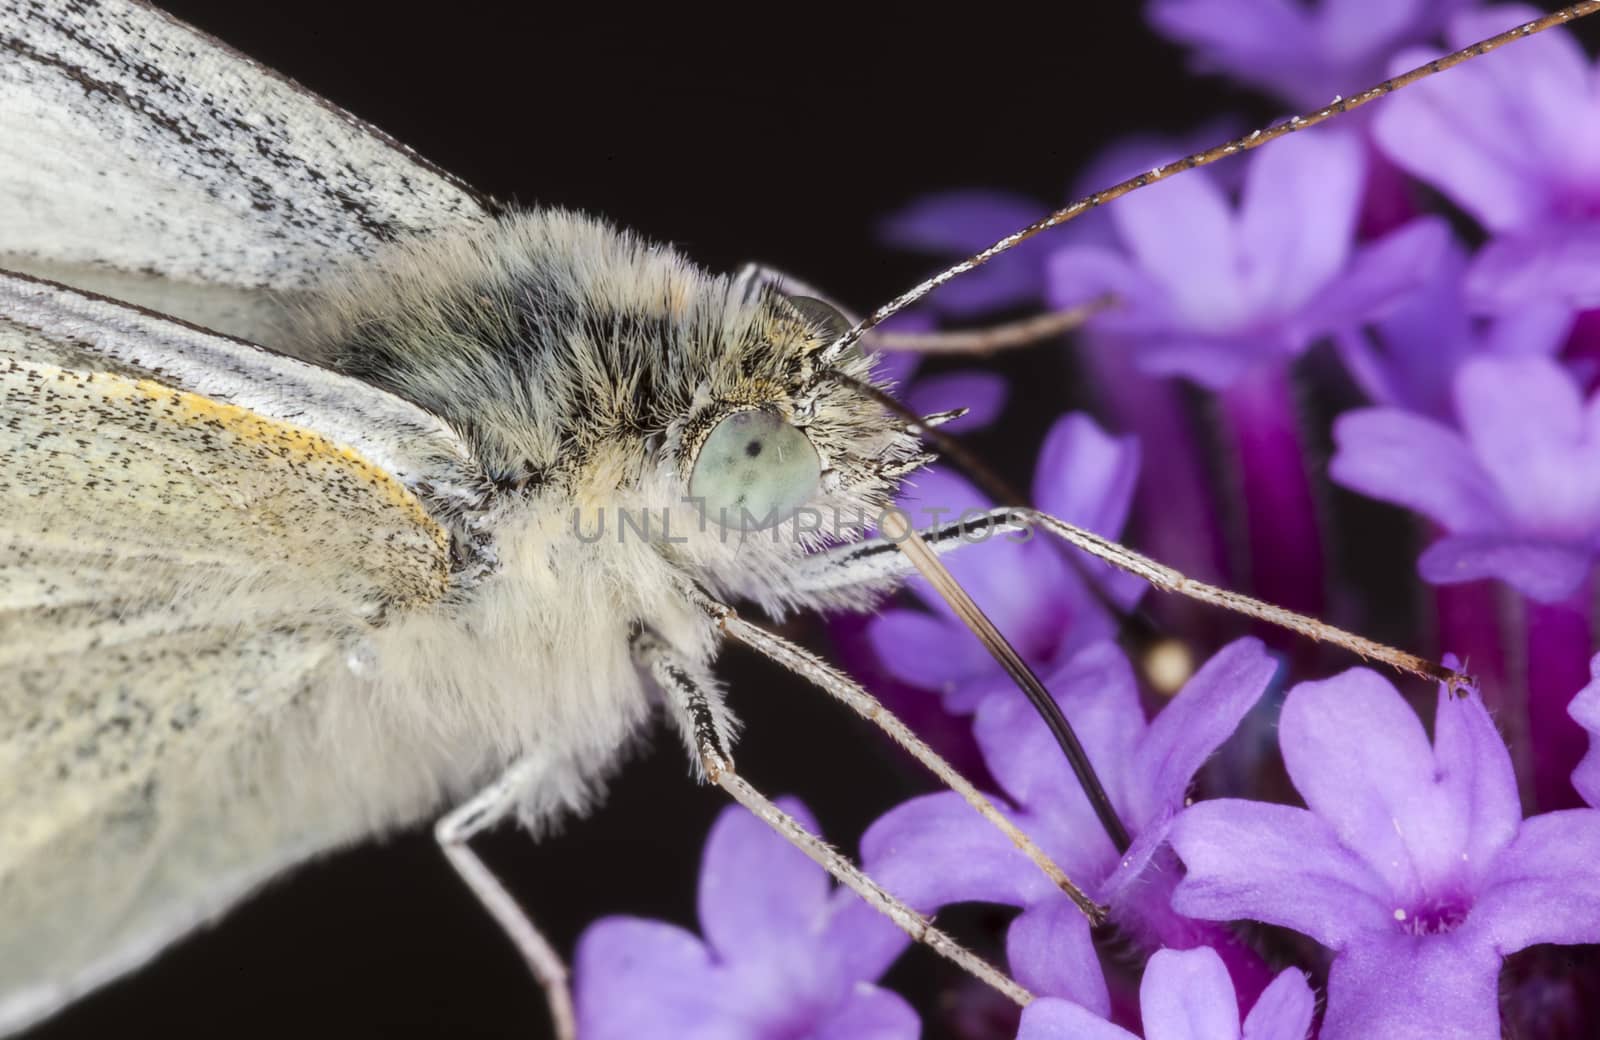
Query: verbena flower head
point(1306, 53)
point(1184, 995)
point(1517, 488)
point(934, 850)
point(1412, 862)
point(1514, 141)
point(785, 955)
point(1032, 590)
point(1209, 290)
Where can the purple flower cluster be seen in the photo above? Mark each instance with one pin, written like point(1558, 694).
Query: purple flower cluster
point(1402, 306)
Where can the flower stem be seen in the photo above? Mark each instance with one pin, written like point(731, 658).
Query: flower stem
point(1558, 666)
point(1285, 549)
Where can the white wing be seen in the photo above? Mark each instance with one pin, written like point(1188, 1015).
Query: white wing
point(186, 561)
point(145, 160)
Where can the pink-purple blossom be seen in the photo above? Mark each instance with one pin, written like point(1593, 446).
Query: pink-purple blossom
point(1184, 995)
point(1210, 290)
point(1516, 487)
point(1412, 861)
point(1515, 142)
point(784, 954)
point(934, 850)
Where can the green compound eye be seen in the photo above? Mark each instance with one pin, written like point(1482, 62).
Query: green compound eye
point(754, 470)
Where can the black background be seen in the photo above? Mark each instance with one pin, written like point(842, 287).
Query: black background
point(780, 133)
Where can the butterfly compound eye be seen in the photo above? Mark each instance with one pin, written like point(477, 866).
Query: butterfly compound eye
point(754, 470)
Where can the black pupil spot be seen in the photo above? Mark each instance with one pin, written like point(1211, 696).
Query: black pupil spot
point(753, 449)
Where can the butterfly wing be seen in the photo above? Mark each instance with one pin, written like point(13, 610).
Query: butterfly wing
point(144, 160)
point(195, 535)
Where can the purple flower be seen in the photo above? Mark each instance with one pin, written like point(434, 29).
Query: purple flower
point(1209, 291)
point(1408, 358)
point(1032, 589)
point(1412, 863)
point(1514, 139)
point(1518, 489)
point(1585, 710)
point(1185, 995)
point(1305, 53)
point(934, 850)
point(784, 954)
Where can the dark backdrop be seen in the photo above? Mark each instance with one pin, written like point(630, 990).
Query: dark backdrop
point(780, 133)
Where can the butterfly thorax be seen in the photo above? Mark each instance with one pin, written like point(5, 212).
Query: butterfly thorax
point(586, 368)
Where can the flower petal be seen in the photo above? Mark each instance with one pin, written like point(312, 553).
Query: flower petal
point(1476, 775)
point(983, 394)
point(1052, 954)
point(1545, 886)
point(869, 1013)
point(1404, 987)
point(1277, 864)
point(1086, 476)
point(1077, 274)
point(634, 977)
point(1270, 44)
point(1358, 755)
point(1425, 337)
point(1298, 217)
point(1049, 1018)
point(1379, 279)
point(1284, 1009)
point(1194, 724)
point(1547, 571)
point(934, 850)
point(1417, 463)
point(858, 943)
point(1498, 137)
point(1585, 711)
point(956, 223)
point(1525, 419)
point(1187, 995)
point(1558, 262)
point(760, 896)
point(1100, 697)
point(926, 651)
point(1182, 233)
point(1213, 361)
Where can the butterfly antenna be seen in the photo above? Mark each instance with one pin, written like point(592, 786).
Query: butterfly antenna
point(1249, 141)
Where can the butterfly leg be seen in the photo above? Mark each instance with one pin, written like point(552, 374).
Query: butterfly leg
point(453, 832)
point(696, 705)
point(852, 694)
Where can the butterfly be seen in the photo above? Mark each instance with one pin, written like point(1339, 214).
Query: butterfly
point(328, 522)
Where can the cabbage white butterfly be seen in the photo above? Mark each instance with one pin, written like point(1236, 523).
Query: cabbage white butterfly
point(401, 453)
